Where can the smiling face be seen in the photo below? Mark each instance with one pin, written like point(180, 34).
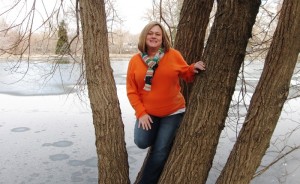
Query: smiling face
point(154, 39)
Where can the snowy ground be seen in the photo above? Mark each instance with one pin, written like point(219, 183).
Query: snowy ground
point(50, 139)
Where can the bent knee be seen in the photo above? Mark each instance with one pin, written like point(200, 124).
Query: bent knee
point(141, 144)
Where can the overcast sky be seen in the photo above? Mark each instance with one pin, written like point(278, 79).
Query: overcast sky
point(131, 11)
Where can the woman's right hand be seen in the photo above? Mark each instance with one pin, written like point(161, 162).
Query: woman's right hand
point(145, 122)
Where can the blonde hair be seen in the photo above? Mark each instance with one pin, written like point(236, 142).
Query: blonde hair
point(166, 44)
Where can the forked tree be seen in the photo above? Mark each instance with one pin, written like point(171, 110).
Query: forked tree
point(196, 142)
point(195, 145)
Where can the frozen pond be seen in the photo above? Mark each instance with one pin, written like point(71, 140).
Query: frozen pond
point(47, 135)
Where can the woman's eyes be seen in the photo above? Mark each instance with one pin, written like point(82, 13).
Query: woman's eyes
point(156, 34)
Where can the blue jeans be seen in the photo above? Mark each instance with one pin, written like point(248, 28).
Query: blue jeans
point(160, 137)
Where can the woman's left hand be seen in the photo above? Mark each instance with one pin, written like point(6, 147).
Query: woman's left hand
point(199, 66)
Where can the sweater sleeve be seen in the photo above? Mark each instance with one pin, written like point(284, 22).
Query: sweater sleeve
point(187, 71)
point(132, 91)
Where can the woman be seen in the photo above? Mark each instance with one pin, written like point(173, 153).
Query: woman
point(153, 90)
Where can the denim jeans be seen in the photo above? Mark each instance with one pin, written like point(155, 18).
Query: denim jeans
point(160, 137)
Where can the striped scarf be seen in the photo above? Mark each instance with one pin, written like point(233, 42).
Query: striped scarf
point(152, 65)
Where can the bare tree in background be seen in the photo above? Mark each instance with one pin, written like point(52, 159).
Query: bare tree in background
point(167, 12)
point(23, 22)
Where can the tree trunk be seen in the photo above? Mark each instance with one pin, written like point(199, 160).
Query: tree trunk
point(268, 99)
point(196, 141)
point(191, 29)
point(109, 128)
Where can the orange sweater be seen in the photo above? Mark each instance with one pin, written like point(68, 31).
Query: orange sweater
point(165, 97)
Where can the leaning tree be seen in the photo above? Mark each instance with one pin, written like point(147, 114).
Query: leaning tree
point(109, 129)
point(268, 99)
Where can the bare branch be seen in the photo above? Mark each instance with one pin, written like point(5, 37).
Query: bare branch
point(279, 157)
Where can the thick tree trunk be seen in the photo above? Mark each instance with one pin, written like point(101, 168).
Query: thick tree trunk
point(268, 99)
point(196, 141)
point(194, 18)
point(109, 128)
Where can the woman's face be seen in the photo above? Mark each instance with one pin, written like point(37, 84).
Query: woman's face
point(154, 38)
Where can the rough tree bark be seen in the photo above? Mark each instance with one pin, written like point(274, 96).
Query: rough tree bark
point(191, 29)
point(109, 129)
point(196, 141)
point(268, 99)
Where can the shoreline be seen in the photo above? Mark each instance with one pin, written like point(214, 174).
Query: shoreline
point(78, 58)
point(6, 57)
